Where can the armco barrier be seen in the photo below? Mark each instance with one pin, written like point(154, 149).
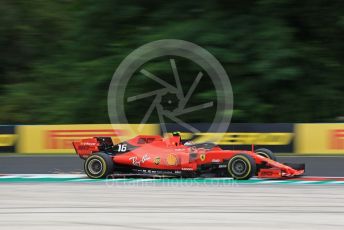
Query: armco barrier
point(58, 138)
point(278, 137)
point(320, 138)
point(7, 138)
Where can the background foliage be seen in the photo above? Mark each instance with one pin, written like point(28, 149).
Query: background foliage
point(285, 58)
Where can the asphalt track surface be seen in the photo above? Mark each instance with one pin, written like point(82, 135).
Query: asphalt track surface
point(71, 201)
point(315, 165)
point(35, 206)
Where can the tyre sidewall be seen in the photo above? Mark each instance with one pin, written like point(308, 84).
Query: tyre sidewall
point(106, 162)
point(250, 166)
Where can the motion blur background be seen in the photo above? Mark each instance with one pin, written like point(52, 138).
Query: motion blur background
point(285, 58)
point(285, 61)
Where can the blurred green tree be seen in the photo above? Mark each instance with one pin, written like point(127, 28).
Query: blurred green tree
point(284, 57)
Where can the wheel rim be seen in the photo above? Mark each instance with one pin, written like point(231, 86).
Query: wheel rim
point(239, 167)
point(95, 166)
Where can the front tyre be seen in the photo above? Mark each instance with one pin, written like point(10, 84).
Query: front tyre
point(98, 165)
point(241, 167)
point(266, 153)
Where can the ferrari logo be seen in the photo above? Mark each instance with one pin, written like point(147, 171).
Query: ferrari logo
point(171, 159)
point(157, 160)
point(202, 157)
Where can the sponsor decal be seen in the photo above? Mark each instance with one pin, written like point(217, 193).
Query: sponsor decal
point(59, 138)
point(245, 138)
point(137, 161)
point(90, 143)
point(62, 139)
point(171, 159)
point(187, 169)
point(202, 157)
point(193, 149)
point(215, 160)
point(84, 147)
point(278, 137)
point(320, 138)
point(157, 160)
point(157, 171)
point(337, 139)
point(179, 149)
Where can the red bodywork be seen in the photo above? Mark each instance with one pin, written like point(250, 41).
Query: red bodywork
point(155, 154)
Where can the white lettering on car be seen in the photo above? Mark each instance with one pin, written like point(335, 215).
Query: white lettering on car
point(137, 161)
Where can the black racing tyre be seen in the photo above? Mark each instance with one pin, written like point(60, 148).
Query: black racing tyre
point(98, 165)
point(241, 167)
point(266, 153)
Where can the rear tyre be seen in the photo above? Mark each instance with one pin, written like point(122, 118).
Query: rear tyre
point(266, 153)
point(98, 165)
point(241, 167)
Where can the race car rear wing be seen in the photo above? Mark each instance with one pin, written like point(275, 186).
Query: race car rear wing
point(84, 148)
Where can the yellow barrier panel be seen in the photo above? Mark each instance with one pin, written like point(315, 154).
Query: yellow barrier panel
point(58, 138)
point(236, 138)
point(7, 140)
point(320, 138)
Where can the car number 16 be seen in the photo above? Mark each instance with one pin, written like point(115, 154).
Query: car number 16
point(122, 148)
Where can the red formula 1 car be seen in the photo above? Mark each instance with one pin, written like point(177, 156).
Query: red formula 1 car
point(155, 155)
